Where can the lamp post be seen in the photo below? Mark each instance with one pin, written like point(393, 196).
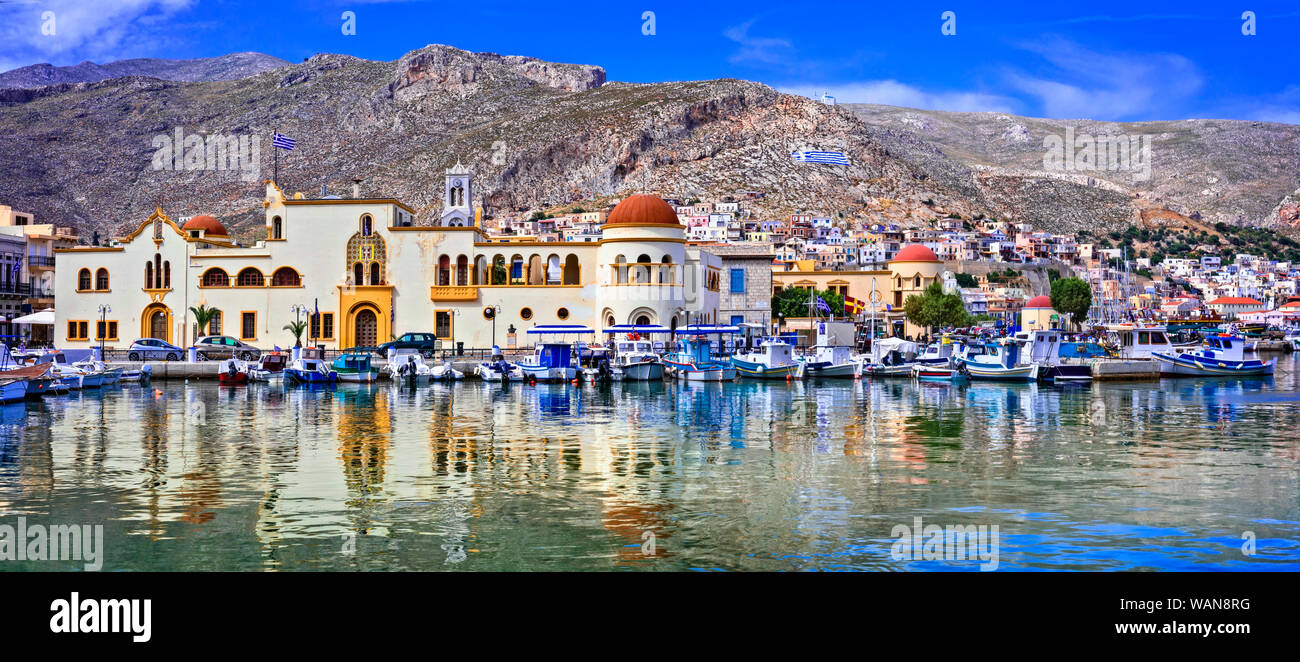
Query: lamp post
point(104, 310)
point(298, 310)
point(455, 312)
point(496, 310)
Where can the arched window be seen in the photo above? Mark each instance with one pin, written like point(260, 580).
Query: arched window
point(374, 274)
point(157, 268)
point(572, 272)
point(251, 277)
point(500, 275)
point(216, 277)
point(666, 273)
point(83, 279)
point(167, 274)
point(277, 228)
point(916, 282)
point(101, 279)
point(358, 274)
point(462, 270)
point(444, 271)
point(554, 271)
point(367, 225)
point(286, 277)
point(148, 275)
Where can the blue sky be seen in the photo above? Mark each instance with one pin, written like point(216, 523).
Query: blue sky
point(1107, 60)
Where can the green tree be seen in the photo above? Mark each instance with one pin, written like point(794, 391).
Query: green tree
point(1073, 296)
point(966, 280)
point(203, 316)
point(935, 308)
point(296, 327)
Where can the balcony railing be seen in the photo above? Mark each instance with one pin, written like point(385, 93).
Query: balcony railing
point(24, 289)
point(34, 261)
point(453, 292)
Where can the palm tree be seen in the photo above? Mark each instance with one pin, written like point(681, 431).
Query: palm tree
point(203, 316)
point(296, 327)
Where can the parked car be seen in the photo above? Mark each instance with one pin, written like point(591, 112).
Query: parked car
point(216, 348)
point(153, 349)
point(425, 343)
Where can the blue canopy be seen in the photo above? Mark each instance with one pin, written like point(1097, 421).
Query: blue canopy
point(560, 328)
point(707, 329)
point(637, 328)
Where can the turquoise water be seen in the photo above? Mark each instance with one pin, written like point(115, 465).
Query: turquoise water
point(749, 476)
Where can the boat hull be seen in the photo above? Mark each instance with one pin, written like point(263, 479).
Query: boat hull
point(841, 371)
point(544, 374)
point(750, 370)
point(1189, 366)
point(359, 377)
point(1027, 373)
point(937, 373)
point(1066, 373)
point(310, 376)
point(640, 372)
point(227, 379)
point(901, 370)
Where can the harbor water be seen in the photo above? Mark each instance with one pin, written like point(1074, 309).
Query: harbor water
point(1188, 474)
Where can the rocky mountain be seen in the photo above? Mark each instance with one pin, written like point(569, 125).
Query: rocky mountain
point(540, 135)
point(225, 67)
point(1236, 172)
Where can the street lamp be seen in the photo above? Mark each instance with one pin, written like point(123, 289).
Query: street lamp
point(496, 310)
point(104, 310)
point(455, 312)
point(298, 311)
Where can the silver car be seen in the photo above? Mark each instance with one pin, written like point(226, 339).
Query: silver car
point(153, 349)
point(219, 348)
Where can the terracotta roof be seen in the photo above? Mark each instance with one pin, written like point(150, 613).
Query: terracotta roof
point(641, 209)
point(210, 226)
point(915, 253)
point(1040, 301)
point(1235, 301)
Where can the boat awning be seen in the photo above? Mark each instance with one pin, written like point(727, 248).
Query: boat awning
point(707, 329)
point(43, 317)
point(560, 328)
point(637, 328)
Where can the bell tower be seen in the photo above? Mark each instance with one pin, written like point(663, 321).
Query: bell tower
point(458, 198)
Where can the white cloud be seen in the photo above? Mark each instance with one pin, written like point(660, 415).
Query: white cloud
point(1082, 83)
point(894, 93)
point(757, 50)
point(98, 31)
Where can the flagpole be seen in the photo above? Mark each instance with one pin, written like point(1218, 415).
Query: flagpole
point(276, 149)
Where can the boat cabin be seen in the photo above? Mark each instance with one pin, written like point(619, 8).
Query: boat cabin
point(1138, 342)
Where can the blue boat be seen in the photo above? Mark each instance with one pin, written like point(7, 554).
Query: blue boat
point(998, 360)
point(772, 359)
point(354, 366)
point(1221, 355)
point(552, 361)
point(695, 361)
point(310, 368)
point(13, 390)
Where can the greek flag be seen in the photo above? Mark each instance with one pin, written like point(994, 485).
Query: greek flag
point(809, 156)
point(17, 267)
point(282, 141)
point(822, 305)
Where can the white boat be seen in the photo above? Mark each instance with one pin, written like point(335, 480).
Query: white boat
point(270, 368)
point(636, 361)
point(772, 359)
point(69, 375)
point(1220, 356)
point(498, 369)
point(445, 372)
point(406, 367)
point(108, 375)
point(1138, 341)
point(1043, 346)
point(890, 357)
point(829, 361)
point(997, 360)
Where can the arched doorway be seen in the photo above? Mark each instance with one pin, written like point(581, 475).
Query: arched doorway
point(365, 328)
point(156, 322)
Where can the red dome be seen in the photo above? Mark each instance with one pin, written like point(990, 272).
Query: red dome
point(1040, 301)
point(640, 209)
point(210, 226)
point(915, 253)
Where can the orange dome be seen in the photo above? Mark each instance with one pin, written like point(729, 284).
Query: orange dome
point(1040, 301)
point(210, 226)
point(915, 253)
point(640, 209)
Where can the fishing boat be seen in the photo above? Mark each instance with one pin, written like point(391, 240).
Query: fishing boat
point(406, 367)
point(890, 357)
point(310, 368)
point(552, 361)
point(831, 361)
point(13, 389)
point(998, 360)
point(355, 366)
point(772, 359)
point(445, 372)
point(142, 374)
point(1219, 356)
point(594, 363)
point(695, 361)
point(1137, 341)
point(634, 357)
point(67, 373)
point(937, 373)
point(1045, 348)
point(937, 353)
point(232, 372)
point(498, 369)
point(108, 375)
point(270, 367)
point(40, 379)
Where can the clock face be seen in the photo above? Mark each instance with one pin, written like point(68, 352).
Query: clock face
point(458, 183)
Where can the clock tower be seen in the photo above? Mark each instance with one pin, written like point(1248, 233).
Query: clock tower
point(457, 199)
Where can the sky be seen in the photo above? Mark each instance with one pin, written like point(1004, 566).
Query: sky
point(1108, 60)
